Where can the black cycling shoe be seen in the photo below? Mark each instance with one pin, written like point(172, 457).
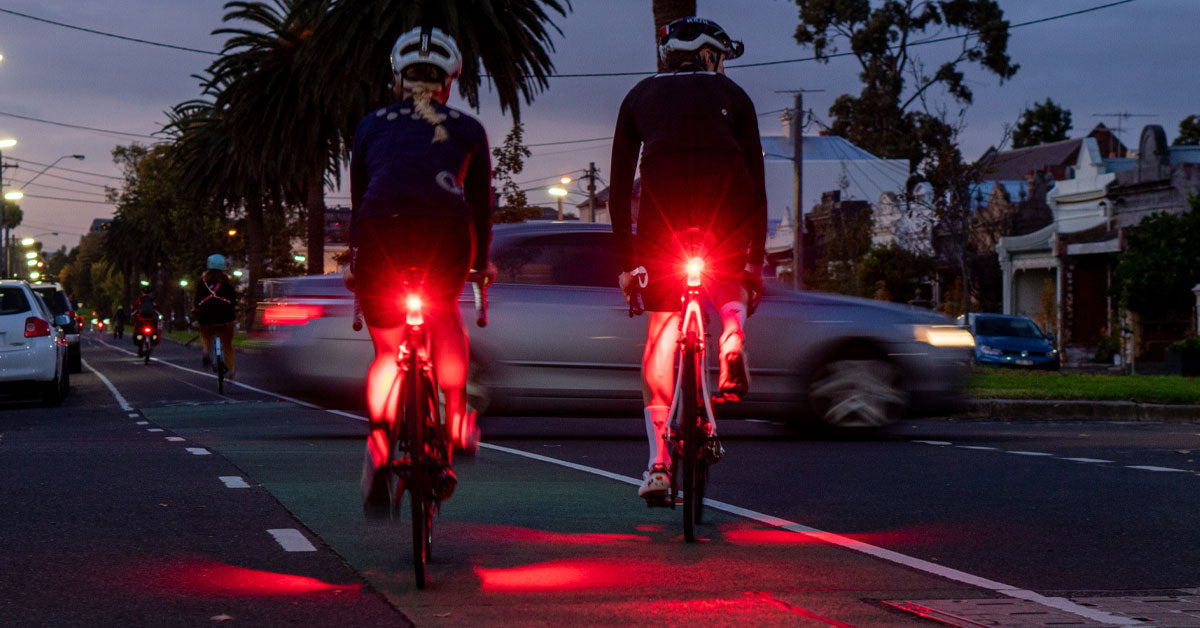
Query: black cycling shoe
point(447, 482)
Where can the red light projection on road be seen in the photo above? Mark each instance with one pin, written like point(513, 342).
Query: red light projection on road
point(564, 575)
point(529, 535)
point(220, 579)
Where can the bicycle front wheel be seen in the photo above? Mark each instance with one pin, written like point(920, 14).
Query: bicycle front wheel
point(419, 481)
point(219, 362)
point(689, 411)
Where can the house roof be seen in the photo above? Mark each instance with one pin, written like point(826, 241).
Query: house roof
point(1053, 157)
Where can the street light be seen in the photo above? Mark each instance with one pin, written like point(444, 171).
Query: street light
point(43, 170)
point(559, 193)
point(8, 143)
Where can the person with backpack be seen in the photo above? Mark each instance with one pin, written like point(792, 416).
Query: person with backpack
point(145, 311)
point(215, 311)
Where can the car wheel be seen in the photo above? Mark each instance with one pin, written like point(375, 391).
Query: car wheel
point(859, 392)
point(74, 359)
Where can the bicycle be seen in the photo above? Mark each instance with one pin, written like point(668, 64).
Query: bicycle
point(692, 429)
point(419, 446)
point(218, 358)
point(146, 341)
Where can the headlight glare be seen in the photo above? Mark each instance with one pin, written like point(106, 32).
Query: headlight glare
point(943, 335)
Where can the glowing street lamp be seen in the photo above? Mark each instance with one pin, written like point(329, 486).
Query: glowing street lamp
point(299, 258)
point(31, 262)
point(565, 180)
point(232, 232)
point(238, 273)
point(27, 241)
point(35, 275)
point(31, 255)
point(8, 143)
point(15, 195)
point(559, 193)
point(183, 283)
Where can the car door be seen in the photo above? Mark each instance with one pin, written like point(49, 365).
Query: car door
point(559, 326)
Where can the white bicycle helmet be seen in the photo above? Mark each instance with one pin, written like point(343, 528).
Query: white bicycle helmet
point(688, 34)
point(427, 45)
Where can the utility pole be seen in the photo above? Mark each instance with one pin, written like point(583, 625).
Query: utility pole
point(796, 126)
point(591, 189)
point(5, 246)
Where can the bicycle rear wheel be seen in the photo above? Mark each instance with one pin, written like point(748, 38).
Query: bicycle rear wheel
point(419, 482)
point(219, 362)
point(687, 430)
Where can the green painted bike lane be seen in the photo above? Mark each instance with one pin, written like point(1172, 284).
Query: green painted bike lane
point(527, 542)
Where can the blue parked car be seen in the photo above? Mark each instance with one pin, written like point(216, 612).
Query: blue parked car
point(1004, 340)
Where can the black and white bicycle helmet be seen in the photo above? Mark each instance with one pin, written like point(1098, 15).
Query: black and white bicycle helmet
point(429, 46)
point(688, 34)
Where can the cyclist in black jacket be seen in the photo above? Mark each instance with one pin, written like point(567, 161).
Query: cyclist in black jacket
point(702, 166)
point(420, 189)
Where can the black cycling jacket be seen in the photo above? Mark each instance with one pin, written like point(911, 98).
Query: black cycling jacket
point(397, 169)
point(698, 134)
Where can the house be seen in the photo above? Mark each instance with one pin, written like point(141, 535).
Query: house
point(1100, 198)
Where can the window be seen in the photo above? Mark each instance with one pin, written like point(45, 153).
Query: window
point(561, 259)
point(1012, 327)
point(13, 301)
point(55, 299)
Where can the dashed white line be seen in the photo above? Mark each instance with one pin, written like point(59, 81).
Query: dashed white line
point(175, 439)
point(155, 429)
point(1029, 453)
point(1088, 460)
point(142, 423)
point(291, 540)
point(1153, 468)
point(233, 481)
point(979, 447)
point(199, 451)
point(933, 442)
point(133, 415)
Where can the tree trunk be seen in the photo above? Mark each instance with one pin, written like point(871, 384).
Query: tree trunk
point(315, 210)
point(665, 11)
point(255, 245)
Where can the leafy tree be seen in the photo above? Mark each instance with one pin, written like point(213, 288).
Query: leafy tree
point(1043, 123)
point(1155, 274)
point(510, 160)
point(895, 271)
point(844, 241)
point(879, 119)
point(1189, 131)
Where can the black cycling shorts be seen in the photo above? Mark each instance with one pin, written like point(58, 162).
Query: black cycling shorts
point(434, 251)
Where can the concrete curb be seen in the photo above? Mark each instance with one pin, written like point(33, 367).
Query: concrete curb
point(1058, 409)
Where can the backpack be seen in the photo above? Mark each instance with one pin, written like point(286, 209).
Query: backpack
point(146, 309)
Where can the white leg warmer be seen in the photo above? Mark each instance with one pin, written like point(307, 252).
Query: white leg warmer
point(656, 434)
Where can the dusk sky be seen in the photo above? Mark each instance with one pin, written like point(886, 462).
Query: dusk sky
point(1134, 58)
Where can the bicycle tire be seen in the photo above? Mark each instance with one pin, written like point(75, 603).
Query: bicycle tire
point(149, 346)
point(687, 430)
point(418, 483)
point(219, 363)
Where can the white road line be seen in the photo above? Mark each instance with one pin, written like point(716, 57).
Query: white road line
point(1029, 453)
point(1153, 468)
point(199, 451)
point(979, 447)
point(933, 442)
point(155, 429)
point(233, 481)
point(1090, 460)
point(133, 415)
point(142, 423)
point(175, 439)
point(292, 540)
point(858, 546)
point(113, 389)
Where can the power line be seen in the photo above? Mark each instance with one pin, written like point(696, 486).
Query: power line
point(55, 187)
point(76, 126)
point(73, 200)
point(94, 174)
point(594, 139)
point(113, 35)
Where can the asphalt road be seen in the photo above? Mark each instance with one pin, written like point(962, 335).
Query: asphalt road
point(111, 523)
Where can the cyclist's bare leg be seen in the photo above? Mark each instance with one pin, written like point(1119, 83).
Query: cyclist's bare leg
point(226, 334)
point(206, 340)
point(450, 360)
point(733, 323)
point(380, 379)
point(658, 381)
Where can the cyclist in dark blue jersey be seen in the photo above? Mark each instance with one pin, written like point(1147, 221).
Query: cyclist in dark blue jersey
point(702, 167)
point(421, 197)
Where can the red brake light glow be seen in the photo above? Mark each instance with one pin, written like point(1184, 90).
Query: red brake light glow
point(36, 327)
point(695, 266)
point(147, 330)
point(291, 314)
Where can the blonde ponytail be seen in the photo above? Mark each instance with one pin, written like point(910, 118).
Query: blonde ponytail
point(422, 93)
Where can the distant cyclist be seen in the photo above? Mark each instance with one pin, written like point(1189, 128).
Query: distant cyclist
point(215, 310)
point(120, 319)
point(702, 167)
point(420, 188)
point(145, 312)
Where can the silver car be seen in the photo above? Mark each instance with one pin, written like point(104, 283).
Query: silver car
point(560, 339)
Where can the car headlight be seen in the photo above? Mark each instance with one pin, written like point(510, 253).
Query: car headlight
point(943, 335)
point(986, 350)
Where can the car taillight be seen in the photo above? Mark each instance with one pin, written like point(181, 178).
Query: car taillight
point(291, 314)
point(695, 266)
point(36, 327)
point(413, 307)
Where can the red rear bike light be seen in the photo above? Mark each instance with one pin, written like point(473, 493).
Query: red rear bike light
point(291, 314)
point(695, 266)
point(413, 306)
point(147, 330)
point(36, 327)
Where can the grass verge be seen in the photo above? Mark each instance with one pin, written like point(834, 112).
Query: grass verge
point(239, 338)
point(988, 383)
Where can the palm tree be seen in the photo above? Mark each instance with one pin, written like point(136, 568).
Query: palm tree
point(277, 124)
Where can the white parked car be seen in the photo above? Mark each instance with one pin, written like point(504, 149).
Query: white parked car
point(33, 348)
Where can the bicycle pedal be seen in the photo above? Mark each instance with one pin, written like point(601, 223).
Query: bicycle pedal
point(713, 452)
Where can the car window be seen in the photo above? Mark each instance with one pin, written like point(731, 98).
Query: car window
point(13, 301)
point(55, 299)
point(560, 259)
point(1012, 327)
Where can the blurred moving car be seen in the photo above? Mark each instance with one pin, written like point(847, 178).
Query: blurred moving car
point(560, 339)
point(1005, 340)
point(33, 346)
point(55, 297)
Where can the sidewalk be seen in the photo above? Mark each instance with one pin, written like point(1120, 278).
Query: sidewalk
point(1050, 410)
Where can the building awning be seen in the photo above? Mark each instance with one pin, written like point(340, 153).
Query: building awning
point(1037, 241)
point(1092, 248)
